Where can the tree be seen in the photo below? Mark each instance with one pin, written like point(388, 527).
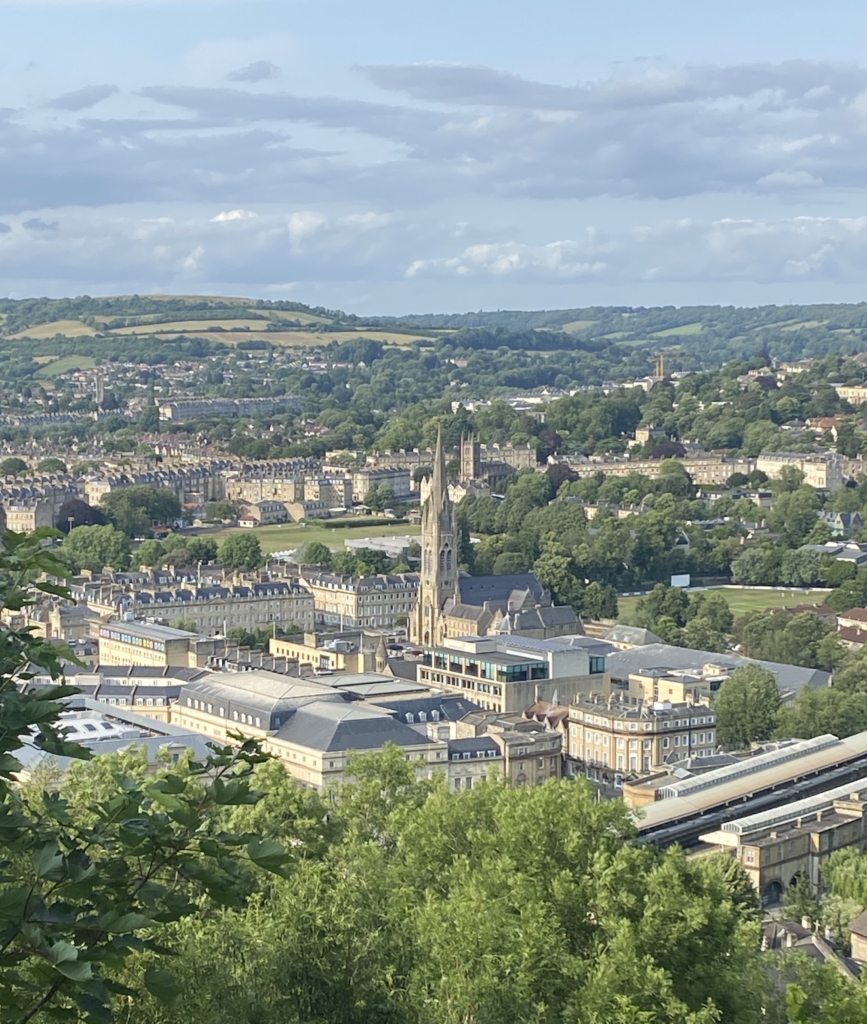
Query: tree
point(314, 553)
point(188, 625)
point(222, 510)
point(51, 465)
point(95, 547)
point(746, 706)
point(149, 421)
point(241, 551)
point(137, 509)
point(13, 466)
point(713, 607)
point(599, 602)
point(701, 636)
point(80, 513)
point(150, 552)
point(662, 601)
point(82, 893)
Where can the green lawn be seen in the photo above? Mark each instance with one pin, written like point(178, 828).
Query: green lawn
point(673, 332)
point(742, 601)
point(284, 536)
point(63, 365)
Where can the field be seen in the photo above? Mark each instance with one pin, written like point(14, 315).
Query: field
point(185, 326)
point(673, 332)
point(53, 369)
point(805, 323)
point(577, 325)
point(68, 328)
point(285, 536)
point(742, 601)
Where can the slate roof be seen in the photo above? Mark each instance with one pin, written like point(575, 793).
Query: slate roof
point(790, 678)
point(336, 727)
point(451, 709)
point(477, 746)
point(635, 635)
point(475, 590)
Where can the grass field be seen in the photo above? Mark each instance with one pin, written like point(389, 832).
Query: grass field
point(51, 370)
point(182, 326)
point(68, 328)
point(673, 332)
point(742, 601)
point(577, 325)
point(285, 536)
point(804, 323)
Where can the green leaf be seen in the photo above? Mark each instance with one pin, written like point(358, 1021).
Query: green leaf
point(75, 970)
point(125, 922)
point(268, 854)
point(47, 862)
point(161, 984)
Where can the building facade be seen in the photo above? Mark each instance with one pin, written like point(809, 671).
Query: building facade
point(371, 602)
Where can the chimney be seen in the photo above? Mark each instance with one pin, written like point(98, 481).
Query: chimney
point(788, 940)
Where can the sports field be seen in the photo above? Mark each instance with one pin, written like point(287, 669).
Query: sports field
point(285, 536)
point(741, 601)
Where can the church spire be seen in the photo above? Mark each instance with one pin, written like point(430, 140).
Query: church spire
point(439, 484)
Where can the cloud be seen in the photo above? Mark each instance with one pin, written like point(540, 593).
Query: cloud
point(37, 224)
point(81, 99)
point(302, 224)
point(258, 71)
point(726, 250)
point(4, 228)
point(228, 215)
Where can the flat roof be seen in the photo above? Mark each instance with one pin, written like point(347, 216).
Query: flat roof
point(149, 630)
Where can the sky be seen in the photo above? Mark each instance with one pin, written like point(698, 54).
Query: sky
point(397, 156)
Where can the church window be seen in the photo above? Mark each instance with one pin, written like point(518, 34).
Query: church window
point(448, 560)
point(442, 561)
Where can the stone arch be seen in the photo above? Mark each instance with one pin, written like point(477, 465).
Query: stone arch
point(772, 894)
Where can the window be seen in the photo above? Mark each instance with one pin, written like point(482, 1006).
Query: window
point(422, 716)
point(665, 742)
point(258, 723)
point(409, 718)
point(647, 744)
point(633, 726)
point(750, 856)
point(597, 666)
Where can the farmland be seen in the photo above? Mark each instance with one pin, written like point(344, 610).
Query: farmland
point(52, 369)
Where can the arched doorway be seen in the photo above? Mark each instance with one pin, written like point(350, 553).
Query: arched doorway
point(772, 894)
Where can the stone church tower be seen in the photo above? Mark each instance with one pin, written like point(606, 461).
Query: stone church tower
point(471, 458)
point(439, 558)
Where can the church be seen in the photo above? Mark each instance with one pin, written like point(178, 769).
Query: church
point(452, 603)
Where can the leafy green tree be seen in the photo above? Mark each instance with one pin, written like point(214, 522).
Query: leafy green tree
point(599, 602)
point(51, 465)
point(509, 562)
point(149, 552)
point(701, 636)
point(95, 547)
point(662, 602)
point(136, 510)
point(241, 551)
point(149, 421)
point(712, 606)
point(13, 466)
point(80, 513)
point(186, 624)
point(83, 893)
point(746, 706)
point(314, 553)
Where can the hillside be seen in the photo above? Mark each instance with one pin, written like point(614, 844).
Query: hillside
point(690, 335)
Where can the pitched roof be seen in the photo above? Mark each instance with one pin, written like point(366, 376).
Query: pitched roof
point(331, 727)
point(475, 590)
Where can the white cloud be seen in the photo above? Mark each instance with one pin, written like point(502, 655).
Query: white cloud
point(302, 224)
point(229, 215)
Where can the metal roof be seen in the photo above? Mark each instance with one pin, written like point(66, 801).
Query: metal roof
point(791, 812)
point(772, 777)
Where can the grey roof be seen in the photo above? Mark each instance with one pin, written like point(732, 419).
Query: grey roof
point(541, 617)
point(334, 727)
point(472, 744)
point(402, 669)
point(267, 691)
point(31, 756)
point(147, 629)
point(475, 590)
point(635, 635)
point(451, 709)
point(790, 678)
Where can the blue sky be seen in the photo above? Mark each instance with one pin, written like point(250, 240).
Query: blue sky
point(392, 157)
